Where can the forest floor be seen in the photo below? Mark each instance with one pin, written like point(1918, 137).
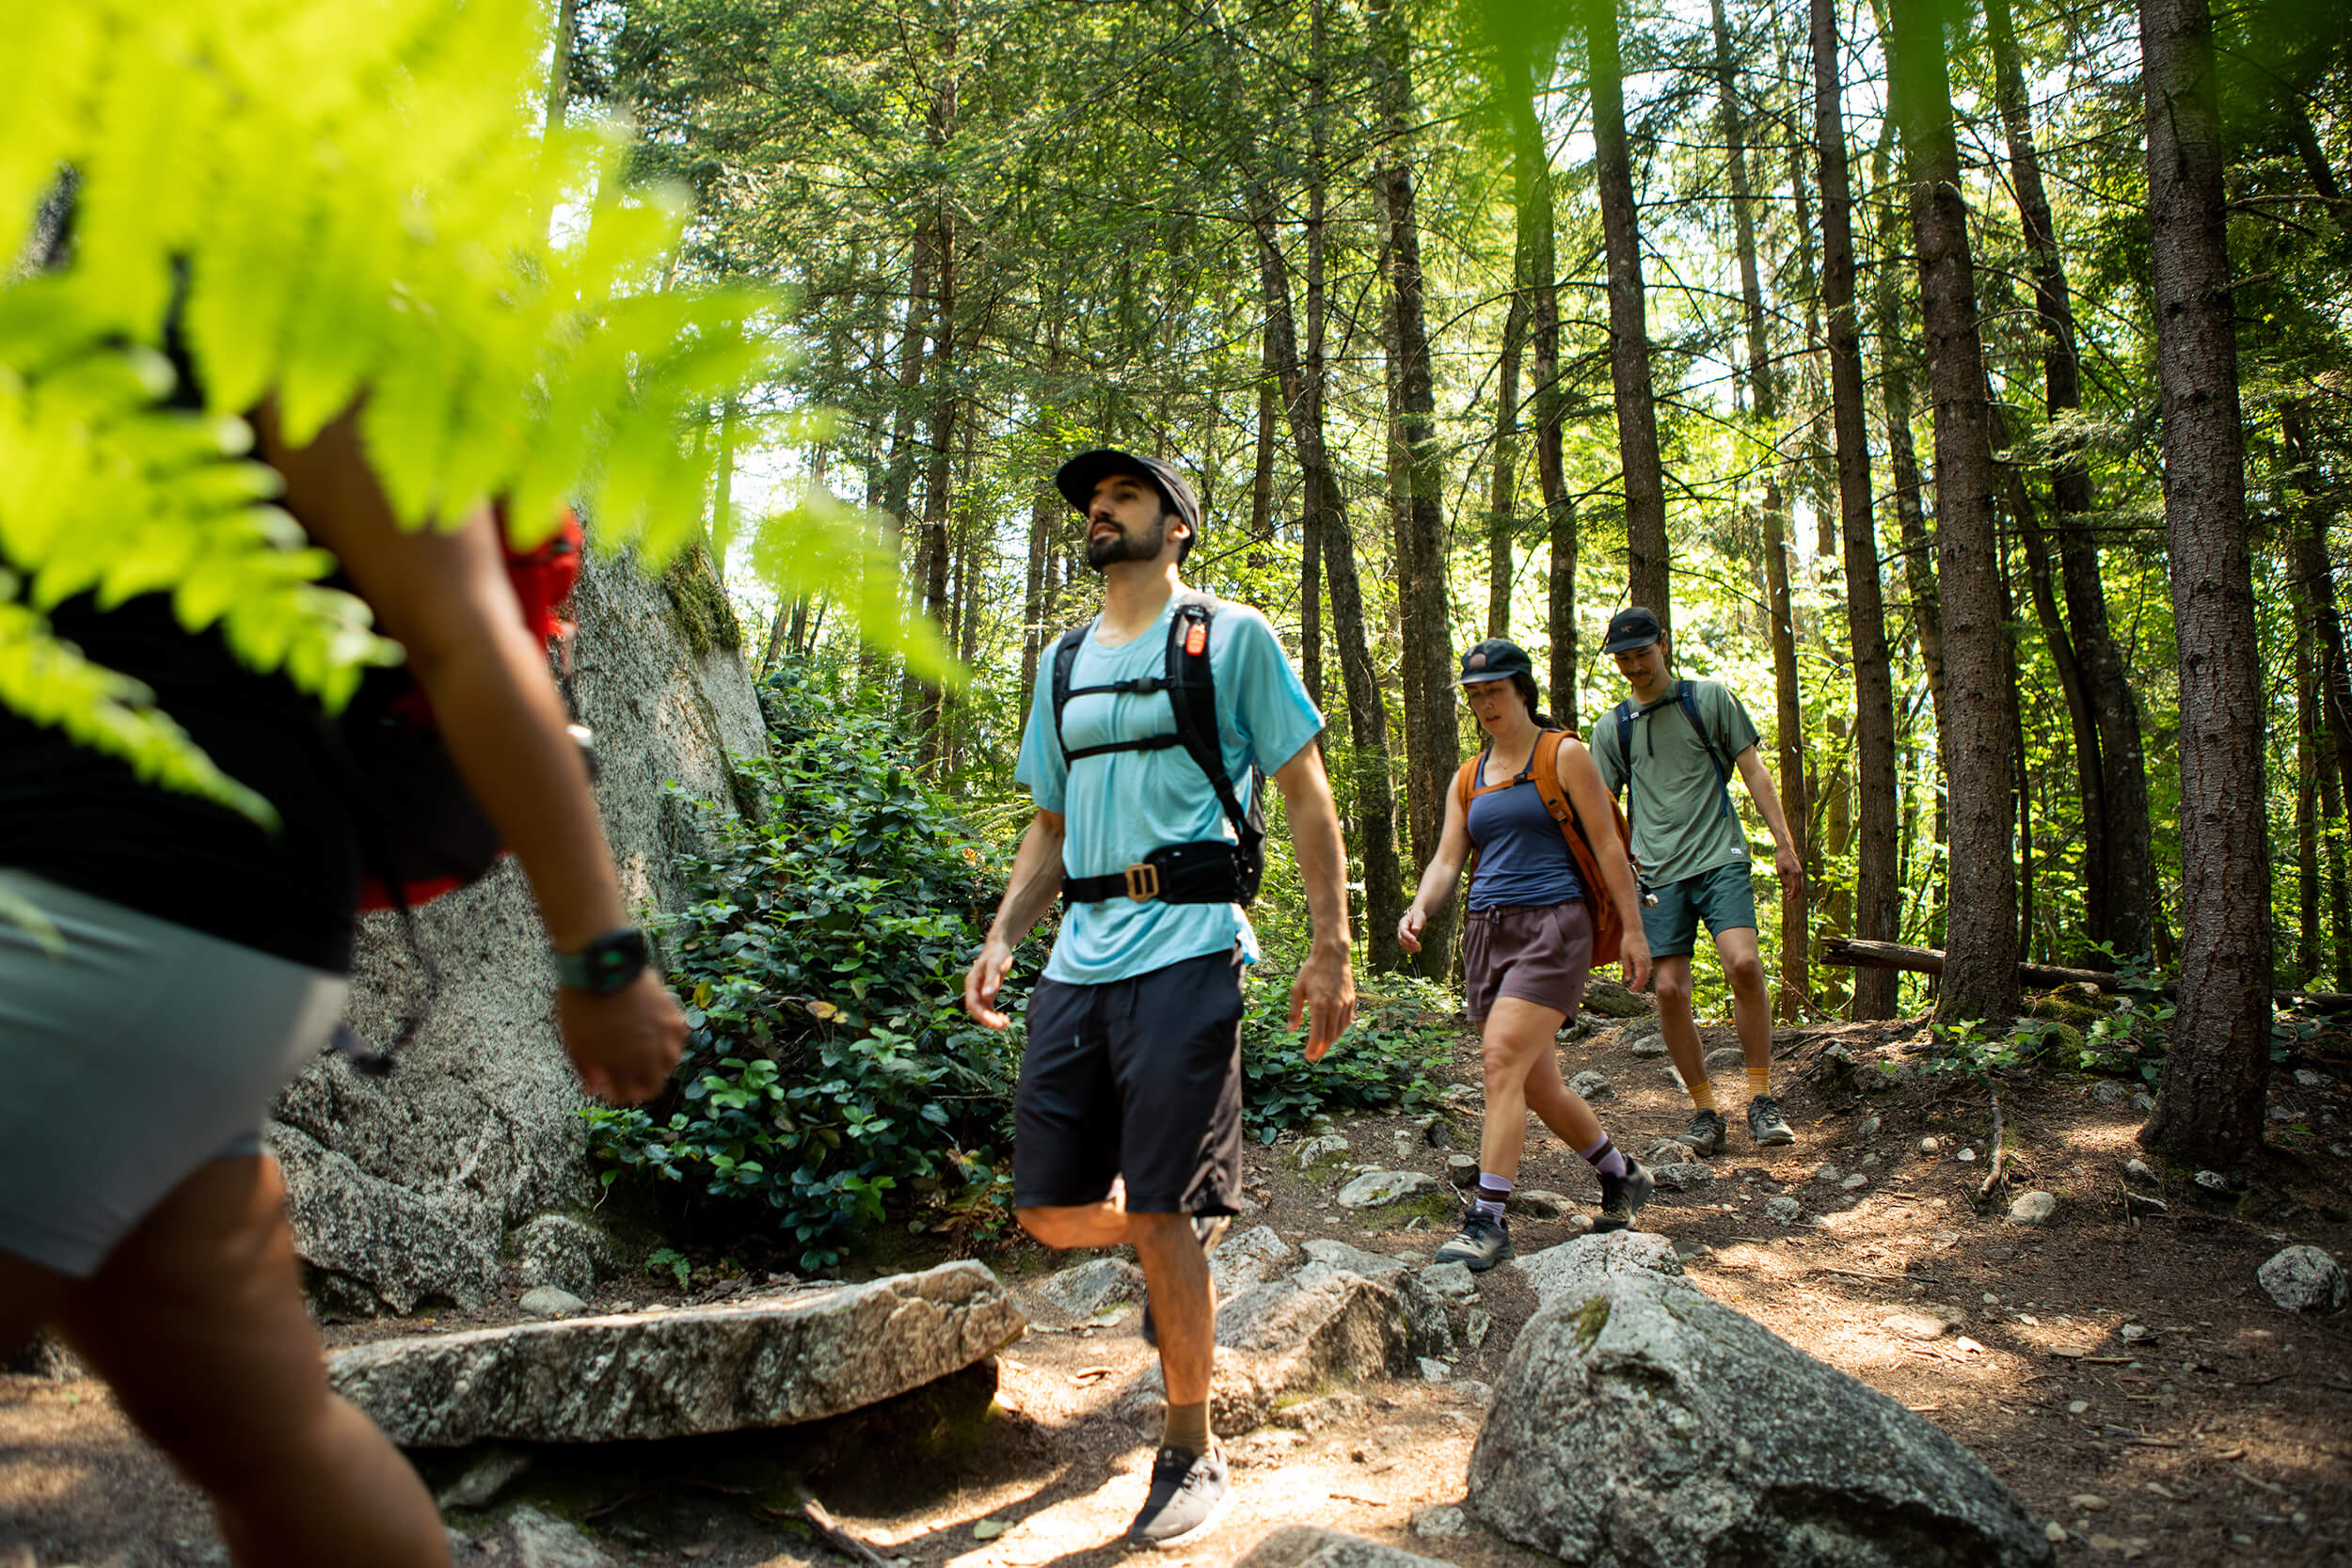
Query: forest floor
point(2122, 1371)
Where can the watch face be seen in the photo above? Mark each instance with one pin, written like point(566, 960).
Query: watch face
point(619, 956)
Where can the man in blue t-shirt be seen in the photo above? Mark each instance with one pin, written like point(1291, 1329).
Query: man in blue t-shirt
point(1127, 1123)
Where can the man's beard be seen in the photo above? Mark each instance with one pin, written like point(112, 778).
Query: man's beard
point(1104, 549)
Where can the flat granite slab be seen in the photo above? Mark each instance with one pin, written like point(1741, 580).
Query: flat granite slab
point(746, 1363)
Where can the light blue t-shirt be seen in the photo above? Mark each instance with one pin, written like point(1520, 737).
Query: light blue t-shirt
point(1122, 805)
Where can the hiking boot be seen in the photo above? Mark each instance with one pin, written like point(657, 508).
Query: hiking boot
point(1622, 1197)
point(1484, 1242)
point(1189, 1495)
point(1210, 1229)
point(1766, 1124)
point(1707, 1133)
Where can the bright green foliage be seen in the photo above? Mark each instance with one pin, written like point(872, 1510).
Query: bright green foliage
point(831, 1070)
point(1388, 1063)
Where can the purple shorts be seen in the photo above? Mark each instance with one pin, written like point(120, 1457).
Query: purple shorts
point(1541, 954)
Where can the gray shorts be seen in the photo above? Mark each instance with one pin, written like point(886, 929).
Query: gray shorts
point(130, 1057)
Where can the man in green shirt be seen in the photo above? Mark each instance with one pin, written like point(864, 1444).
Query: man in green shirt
point(1673, 748)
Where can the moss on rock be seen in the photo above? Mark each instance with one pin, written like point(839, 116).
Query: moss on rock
point(699, 603)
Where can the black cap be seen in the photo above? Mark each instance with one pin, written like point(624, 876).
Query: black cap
point(1495, 660)
point(1081, 474)
point(1631, 629)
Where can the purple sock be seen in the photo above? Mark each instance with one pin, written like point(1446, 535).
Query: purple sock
point(1606, 1157)
point(1493, 1193)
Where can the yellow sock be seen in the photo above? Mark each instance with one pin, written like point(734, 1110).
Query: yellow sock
point(1703, 1095)
point(1759, 1081)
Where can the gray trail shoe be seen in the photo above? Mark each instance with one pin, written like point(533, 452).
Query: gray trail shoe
point(1189, 1493)
point(1622, 1197)
point(1485, 1241)
point(1707, 1133)
point(1766, 1124)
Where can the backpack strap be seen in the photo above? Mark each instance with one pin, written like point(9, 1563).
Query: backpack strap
point(1690, 711)
point(1190, 682)
point(1465, 786)
point(1623, 715)
point(1065, 656)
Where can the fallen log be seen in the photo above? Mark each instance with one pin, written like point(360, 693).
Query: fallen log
point(1852, 953)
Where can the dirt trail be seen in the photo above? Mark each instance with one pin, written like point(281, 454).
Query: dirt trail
point(2125, 1375)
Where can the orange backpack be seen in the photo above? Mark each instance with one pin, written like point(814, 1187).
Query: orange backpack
point(1607, 925)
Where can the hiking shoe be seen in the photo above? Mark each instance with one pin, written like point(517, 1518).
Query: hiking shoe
point(1189, 1495)
point(1484, 1242)
point(1707, 1133)
point(1766, 1124)
point(1622, 1197)
point(1210, 1229)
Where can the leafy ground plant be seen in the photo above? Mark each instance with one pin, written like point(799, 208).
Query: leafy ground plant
point(1390, 1061)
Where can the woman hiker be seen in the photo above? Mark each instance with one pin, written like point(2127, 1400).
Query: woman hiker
point(1528, 943)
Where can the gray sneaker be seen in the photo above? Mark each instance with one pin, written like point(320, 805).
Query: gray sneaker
point(1707, 1133)
point(1766, 1124)
point(1189, 1493)
point(1622, 1197)
point(1485, 1241)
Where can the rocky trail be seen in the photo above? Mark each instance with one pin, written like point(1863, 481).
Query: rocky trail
point(2115, 1353)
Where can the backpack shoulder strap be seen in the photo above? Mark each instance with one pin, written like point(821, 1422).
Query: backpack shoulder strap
point(1191, 682)
point(1546, 766)
point(1065, 656)
point(1624, 716)
point(1690, 707)
point(1466, 780)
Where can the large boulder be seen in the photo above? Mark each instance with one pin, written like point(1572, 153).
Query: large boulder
point(1580, 1266)
point(1318, 1326)
point(1638, 1420)
point(406, 1189)
point(751, 1362)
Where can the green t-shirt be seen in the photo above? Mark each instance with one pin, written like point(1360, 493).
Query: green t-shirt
point(1677, 804)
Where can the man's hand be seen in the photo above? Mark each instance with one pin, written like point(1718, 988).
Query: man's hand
point(1789, 867)
point(1408, 929)
point(1325, 988)
point(982, 981)
point(623, 1046)
point(1633, 956)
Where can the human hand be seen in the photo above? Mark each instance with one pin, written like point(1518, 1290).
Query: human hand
point(1633, 957)
point(1325, 988)
point(1788, 868)
point(624, 1045)
point(1408, 929)
point(982, 981)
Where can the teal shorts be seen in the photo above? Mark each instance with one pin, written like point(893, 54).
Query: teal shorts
point(1722, 897)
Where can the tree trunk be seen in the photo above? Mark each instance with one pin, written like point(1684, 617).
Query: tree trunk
point(1902, 463)
point(1502, 493)
point(2020, 783)
point(1530, 164)
point(938, 484)
point(2211, 1108)
point(1628, 324)
point(1795, 934)
point(2116, 858)
point(2307, 732)
point(1432, 734)
point(2319, 579)
point(1978, 760)
point(560, 60)
point(1878, 882)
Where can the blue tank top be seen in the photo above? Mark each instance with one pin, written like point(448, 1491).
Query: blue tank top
point(1523, 859)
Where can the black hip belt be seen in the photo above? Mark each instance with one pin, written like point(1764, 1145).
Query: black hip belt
point(1208, 872)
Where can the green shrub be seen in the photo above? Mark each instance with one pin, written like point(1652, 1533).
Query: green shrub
point(1387, 1062)
point(829, 1073)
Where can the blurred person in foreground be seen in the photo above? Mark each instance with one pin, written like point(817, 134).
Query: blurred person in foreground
point(204, 961)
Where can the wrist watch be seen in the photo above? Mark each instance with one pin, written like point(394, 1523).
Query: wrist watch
point(609, 963)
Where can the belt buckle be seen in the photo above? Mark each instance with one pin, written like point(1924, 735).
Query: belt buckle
point(1143, 882)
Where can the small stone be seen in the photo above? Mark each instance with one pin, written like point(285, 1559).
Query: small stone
point(2054, 1532)
point(2090, 1502)
point(2143, 1102)
point(2212, 1182)
point(1670, 1153)
point(1930, 1147)
point(1828, 1175)
point(1474, 1392)
point(1866, 1128)
point(2304, 1279)
point(2138, 1170)
point(987, 1529)
point(1647, 1048)
point(1535, 1203)
point(2309, 1079)
point(1407, 1141)
point(2106, 1543)
point(2034, 1208)
point(1462, 1170)
point(2107, 1091)
point(1854, 1182)
point(1867, 1160)
point(2075, 1408)
point(1965, 1156)
point(546, 1301)
point(1591, 1086)
point(543, 1540)
point(485, 1479)
point(1726, 1058)
point(1440, 1520)
point(2132, 1333)
point(1377, 1187)
point(1783, 1210)
point(1330, 1147)
point(1914, 1326)
point(1435, 1370)
point(1682, 1178)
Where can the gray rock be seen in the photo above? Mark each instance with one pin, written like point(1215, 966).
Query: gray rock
point(1312, 1547)
point(1462, 1170)
point(2107, 1091)
point(1684, 1177)
point(2034, 1208)
point(44, 1356)
point(1440, 1520)
point(566, 1253)
point(2138, 1170)
point(1783, 1210)
point(2212, 1182)
point(1377, 1187)
point(1930, 1146)
point(1537, 1203)
point(1916, 1326)
point(1435, 1370)
point(1866, 1128)
point(1287, 1336)
point(1854, 1184)
point(2304, 1279)
point(1325, 1410)
point(1087, 1289)
point(1591, 1086)
point(1580, 1266)
point(1665, 1464)
point(2143, 1102)
point(491, 1472)
point(751, 1362)
point(407, 1187)
point(1647, 1048)
point(1314, 1150)
point(1478, 1393)
point(1608, 999)
point(1248, 1258)
point(1828, 1175)
point(1671, 1153)
point(546, 1301)
point(1448, 1281)
point(1726, 1058)
point(543, 1540)
point(1340, 1258)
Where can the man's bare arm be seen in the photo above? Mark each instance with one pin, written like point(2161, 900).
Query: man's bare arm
point(1036, 881)
point(1759, 783)
point(1325, 990)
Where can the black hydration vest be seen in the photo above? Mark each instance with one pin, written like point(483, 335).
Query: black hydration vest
point(1211, 871)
